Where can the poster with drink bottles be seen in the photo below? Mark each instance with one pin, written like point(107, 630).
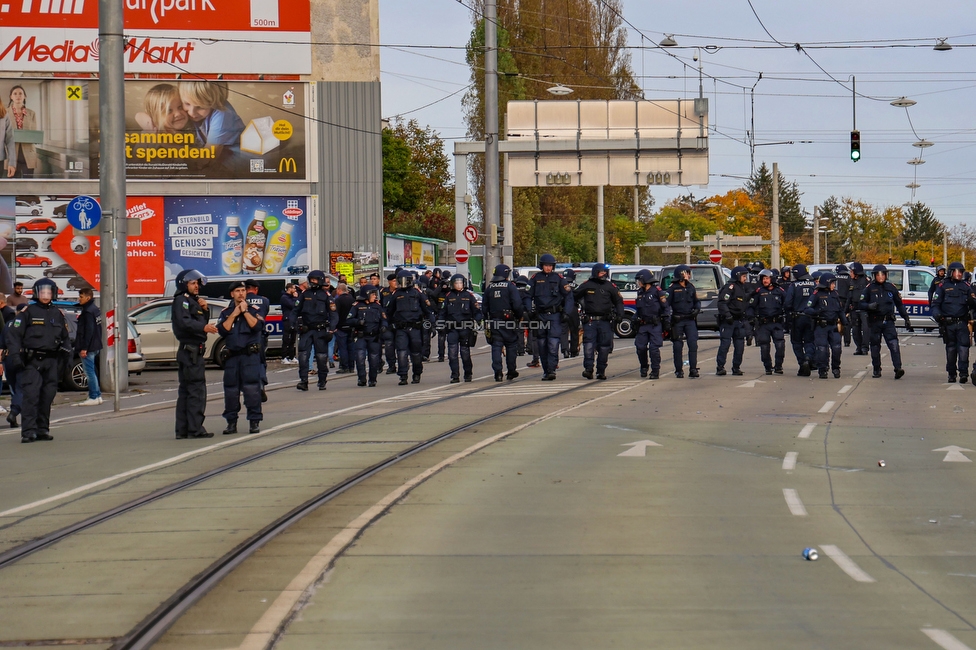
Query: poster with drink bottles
point(235, 235)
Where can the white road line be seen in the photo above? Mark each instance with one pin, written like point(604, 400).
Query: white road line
point(789, 461)
point(826, 407)
point(794, 503)
point(944, 639)
point(202, 450)
point(807, 430)
point(845, 389)
point(281, 609)
point(860, 374)
point(846, 564)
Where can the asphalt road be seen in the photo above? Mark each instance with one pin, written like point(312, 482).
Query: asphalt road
point(627, 513)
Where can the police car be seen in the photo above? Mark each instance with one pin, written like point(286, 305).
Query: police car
point(623, 277)
point(708, 279)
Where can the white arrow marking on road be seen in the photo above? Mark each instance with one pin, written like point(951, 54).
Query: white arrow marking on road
point(954, 455)
point(954, 387)
point(944, 639)
point(751, 383)
point(789, 461)
point(638, 448)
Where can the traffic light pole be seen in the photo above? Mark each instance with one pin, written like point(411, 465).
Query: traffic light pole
point(492, 194)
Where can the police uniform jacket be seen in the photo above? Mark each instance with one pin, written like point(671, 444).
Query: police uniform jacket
point(600, 298)
point(189, 319)
point(409, 307)
point(288, 303)
point(768, 304)
point(826, 308)
point(262, 306)
point(858, 283)
point(502, 300)
point(460, 306)
point(844, 284)
point(683, 299)
point(733, 301)
point(651, 305)
point(367, 318)
point(241, 335)
point(315, 309)
point(953, 299)
point(343, 305)
point(550, 295)
point(386, 295)
point(885, 299)
point(39, 328)
point(798, 293)
point(936, 283)
point(89, 334)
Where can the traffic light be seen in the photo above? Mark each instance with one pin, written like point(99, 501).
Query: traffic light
point(493, 231)
point(855, 145)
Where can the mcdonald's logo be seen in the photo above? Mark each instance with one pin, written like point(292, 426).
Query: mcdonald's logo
point(287, 165)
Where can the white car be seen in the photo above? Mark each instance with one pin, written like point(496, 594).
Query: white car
point(153, 321)
point(25, 209)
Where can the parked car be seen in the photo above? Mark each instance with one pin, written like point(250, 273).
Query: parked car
point(25, 244)
point(77, 283)
point(32, 259)
point(25, 209)
point(708, 279)
point(73, 374)
point(60, 210)
point(40, 224)
point(60, 271)
point(153, 321)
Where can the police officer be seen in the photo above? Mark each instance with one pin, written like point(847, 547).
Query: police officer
point(880, 299)
point(858, 318)
point(191, 324)
point(317, 320)
point(767, 306)
point(601, 306)
point(552, 301)
point(502, 304)
point(410, 314)
point(685, 307)
point(263, 306)
point(801, 331)
point(461, 315)
point(387, 338)
point(842, 282)
point(569, 342)
point(652, 319)
point(369, 323)
point(241, 327)
point(527, 339)
point(733, 327)
point(826, 309)
point(37, 338)
point(940, 277)
point(288, 301)
point(785, 276)
point(437, 294)
point(952, 304)
point(343, 301)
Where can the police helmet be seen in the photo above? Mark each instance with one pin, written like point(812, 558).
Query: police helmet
point(775, 273)
point(597, 269)
point(644, 276)
point(816, 275)
point(941, 267)
point(405, 278)
point(45, 285)
point(756, 266)
point(858, 268)
point(968, 277)
point(365, 291)
point(457, 277)
point(825, 279)
point(766, 273)
point(680, 270)
point(800, 269)
point(738, 272)
point(957, 266)
point(880, 268)
point(316, 278)
point(570, 275)
point(786, 270)
point(186, 276)
point(547, 259)
point(502, 271)
point(841, 269)
point(438, 272)
point(521, 281)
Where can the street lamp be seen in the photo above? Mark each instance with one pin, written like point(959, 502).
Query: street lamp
point(826, 255)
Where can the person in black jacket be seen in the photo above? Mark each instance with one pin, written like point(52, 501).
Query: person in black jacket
point(88, 343)
point(344, 335)
point(191, 324)
point(288, 300)
point(880, 299)
point(602, 305)
point(733, 327)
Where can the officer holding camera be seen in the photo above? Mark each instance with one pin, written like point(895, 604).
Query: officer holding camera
point(241, 327)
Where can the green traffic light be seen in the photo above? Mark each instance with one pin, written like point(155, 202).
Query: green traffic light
point(855, 155)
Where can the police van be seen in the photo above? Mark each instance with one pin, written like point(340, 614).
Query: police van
point(912, 282)
point(624, 278)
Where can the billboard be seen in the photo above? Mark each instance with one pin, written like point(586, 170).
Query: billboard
point(405, 252)
point(161, 36)
point(218, 236)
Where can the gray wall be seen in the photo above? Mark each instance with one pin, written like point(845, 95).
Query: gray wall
point(350, 164)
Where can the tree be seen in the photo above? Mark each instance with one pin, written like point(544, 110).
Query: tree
point(921, 224)
point(760, 188)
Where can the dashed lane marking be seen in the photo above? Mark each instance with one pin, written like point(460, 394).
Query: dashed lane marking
point(845, 389)
point(846, 564)
point(860, 374)
point(826, 407)
point(944, 639)
point(807, 430)
point(793, 503)
point(789, 461)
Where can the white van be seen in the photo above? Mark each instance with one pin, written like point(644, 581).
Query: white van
point(623, 277)
point(912, 282)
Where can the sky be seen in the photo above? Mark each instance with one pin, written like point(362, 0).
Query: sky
point(885, 45)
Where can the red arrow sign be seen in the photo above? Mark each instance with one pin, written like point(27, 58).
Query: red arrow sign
point(461, 256)
point(715, 256)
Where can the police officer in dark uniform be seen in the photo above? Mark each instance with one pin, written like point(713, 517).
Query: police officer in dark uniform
point(503, 306)
point(410, 314)
point(685, 307)
point(191, 324)
point(263, 307)
point(288, 301)
point(733, 325)
point(826, 309)
point(437, 293)
point(552, 301)
point(571, 330)
point(801, 331)
point(858, 318)
point(785, 276)
point(767, 306)
point(952, 305)
point(880, 299)
point(38, 337)
point(241, 327)
point(842, 282)
point(369, 325)
point(940, 277)
point(527, 336)
point(317, 319)
point(387, 338)
point(461, 315)
point(652, 319)
point(601, 306)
